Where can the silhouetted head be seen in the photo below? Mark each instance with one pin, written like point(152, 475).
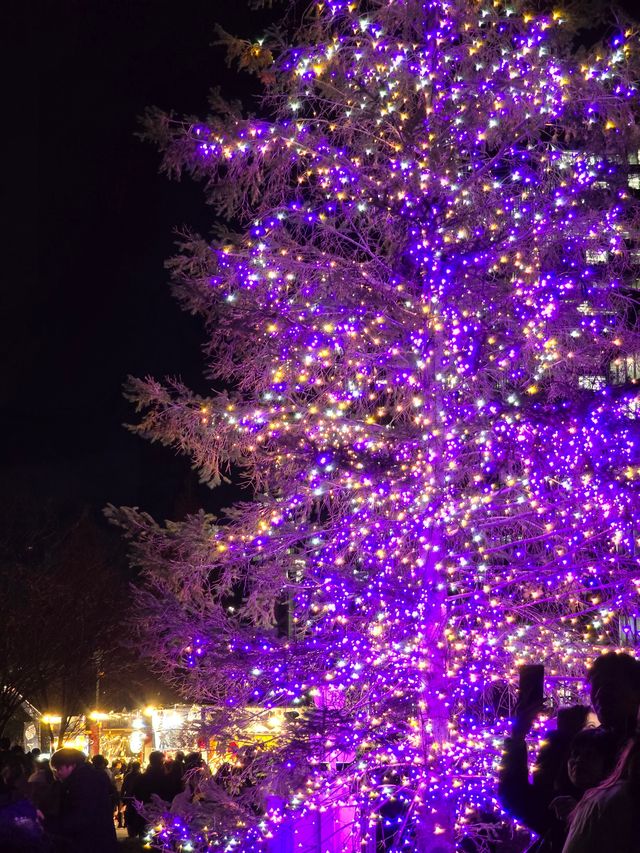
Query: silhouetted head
point(615, 691)
point(194, 759)
point(99, 762)
point(591, 758)
point(12, 772)
point(572, 719)
point(156, 759)
point(64, 761)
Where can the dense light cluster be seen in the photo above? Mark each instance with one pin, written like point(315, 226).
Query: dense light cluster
point(426, 320)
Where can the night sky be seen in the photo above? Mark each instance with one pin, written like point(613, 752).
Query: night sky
point(90, 301)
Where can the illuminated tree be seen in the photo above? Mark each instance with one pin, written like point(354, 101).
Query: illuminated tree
point(420, 317)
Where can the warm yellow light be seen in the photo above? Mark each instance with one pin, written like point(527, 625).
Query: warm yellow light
point(98, 716)
point(51, 719)
point(148, 711)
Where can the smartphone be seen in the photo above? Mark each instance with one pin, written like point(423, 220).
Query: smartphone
point(531, 686)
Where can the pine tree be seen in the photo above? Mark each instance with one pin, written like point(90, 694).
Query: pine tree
point(424, 317)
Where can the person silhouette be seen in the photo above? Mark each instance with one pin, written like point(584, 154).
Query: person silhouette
point(85, 821)
point(609, 812)
point(614, 680)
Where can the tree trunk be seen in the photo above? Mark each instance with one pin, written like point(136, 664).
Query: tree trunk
point(436, 816)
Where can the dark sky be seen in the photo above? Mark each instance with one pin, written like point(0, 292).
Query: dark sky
point(90, 302)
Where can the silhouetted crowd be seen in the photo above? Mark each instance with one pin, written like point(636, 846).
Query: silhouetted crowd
point(71, 804)
point(583, 795)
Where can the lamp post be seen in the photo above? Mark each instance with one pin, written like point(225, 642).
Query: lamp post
point(49, 720)
point(97, 718)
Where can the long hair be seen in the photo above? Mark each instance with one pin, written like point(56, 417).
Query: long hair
point(627, 769)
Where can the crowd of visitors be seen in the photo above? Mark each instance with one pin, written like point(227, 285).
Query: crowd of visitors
point(583, 791)
point(72, 804)
point(586, 780)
